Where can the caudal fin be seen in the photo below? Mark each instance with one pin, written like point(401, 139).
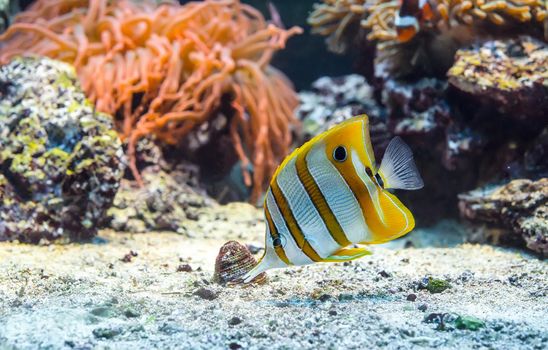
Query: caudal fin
point(398, 169)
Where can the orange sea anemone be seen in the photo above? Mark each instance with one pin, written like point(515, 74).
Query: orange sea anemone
point(162, 69)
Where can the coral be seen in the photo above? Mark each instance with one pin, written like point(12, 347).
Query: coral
point(333, 17)
point(164, 69)
point(454, 24)
point(508, 75)
point(517, 209)
point(60, 161)
point(337, 20)
point(233, 262)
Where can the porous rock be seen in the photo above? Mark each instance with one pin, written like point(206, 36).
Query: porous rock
point(165, 202)
point(510, 76)
point(517, 209)
point(60, 161)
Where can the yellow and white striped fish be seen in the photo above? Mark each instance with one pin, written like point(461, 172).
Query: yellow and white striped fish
point(329, 195)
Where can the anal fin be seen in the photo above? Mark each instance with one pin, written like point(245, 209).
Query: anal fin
point(347, 254)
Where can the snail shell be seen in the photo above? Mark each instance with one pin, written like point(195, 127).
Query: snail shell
point(233, 261)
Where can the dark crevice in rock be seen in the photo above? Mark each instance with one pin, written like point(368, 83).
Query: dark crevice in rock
point(17, 185)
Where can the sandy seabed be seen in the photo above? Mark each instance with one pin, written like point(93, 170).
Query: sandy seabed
point(85, 296)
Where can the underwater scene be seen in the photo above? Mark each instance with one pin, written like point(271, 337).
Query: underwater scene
point(273, 174)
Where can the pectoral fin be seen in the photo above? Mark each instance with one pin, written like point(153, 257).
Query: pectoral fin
point(347, 254)
point(398, 169)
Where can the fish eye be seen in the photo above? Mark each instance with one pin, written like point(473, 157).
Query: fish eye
point(379, 180)
point(339, 154)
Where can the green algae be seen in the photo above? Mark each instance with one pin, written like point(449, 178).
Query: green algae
point(437, 285)
point(470, 323)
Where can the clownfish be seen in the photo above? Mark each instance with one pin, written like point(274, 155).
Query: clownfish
point(329, 195)
point(409, 17)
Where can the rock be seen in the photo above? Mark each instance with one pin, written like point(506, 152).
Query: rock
point(508, 75)
point(412, 297)
point(234, 321)
point(416, 108)
point(518, 209)
point(131, 312)
point(165, 202)
point(325, 297)
point(421, 113)
point(422, 307)
point(443, 321)
point(60, 161)
point(103, 311)
point(434, 285)
point(469, 322)
point(384, 274)
point(129, 256)
point(184, 268)
point(205, 293)
point(106, 333)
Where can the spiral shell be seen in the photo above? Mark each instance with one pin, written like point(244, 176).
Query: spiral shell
point(233, 261)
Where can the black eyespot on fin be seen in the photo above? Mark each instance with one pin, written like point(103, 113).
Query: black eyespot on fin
point(379, 180)
point(339, 154)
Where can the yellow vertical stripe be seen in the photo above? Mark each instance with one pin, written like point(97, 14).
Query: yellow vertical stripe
point(319, 201)
point(291, 222)
point(274, 233)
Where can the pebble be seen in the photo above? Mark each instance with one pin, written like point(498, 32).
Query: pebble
point(106, 333)
point(127, 258)
point(234, 321)
point(184, 268)
point(384, 274)
point(332, 313)
point(206, 293)
point(130, 312)
point(423, 307)
point(234, 346)
point(324, 297)
point(412, 297)
point(514, 280)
